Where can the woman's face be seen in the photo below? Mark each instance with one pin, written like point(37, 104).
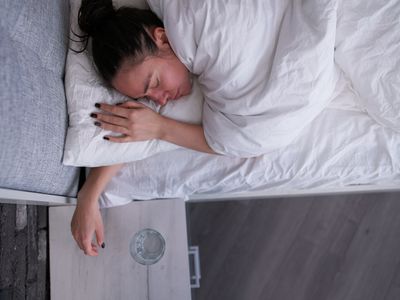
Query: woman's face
point(160, 78)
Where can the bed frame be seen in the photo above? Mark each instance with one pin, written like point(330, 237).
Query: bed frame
point(30, 198)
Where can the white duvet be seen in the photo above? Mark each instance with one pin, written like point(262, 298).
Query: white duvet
point(266, 68)
point(337, 111)
point(368, 52)
point(342, 146)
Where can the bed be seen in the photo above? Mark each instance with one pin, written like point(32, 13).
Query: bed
point(347, 148)
point(353, 145)
point(342, 151)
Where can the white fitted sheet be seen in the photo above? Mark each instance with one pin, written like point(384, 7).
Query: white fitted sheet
point(343, 146)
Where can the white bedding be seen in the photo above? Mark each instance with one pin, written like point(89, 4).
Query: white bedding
point(264, 77)
point(354, 140)
point(368, 51)
point(343, 146)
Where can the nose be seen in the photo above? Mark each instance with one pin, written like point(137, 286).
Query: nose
point(163, 100)
point(160, 97)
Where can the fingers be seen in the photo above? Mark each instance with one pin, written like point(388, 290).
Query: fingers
point(115, 120)
point(94, 249)
point(121, 139)
point(100, 235)
point(86, 246)
point(131, 104)
point(120, 110)
point(113, 128)
point(120, 121)
point(115, 110)
point(90, 248)
point(129, 118)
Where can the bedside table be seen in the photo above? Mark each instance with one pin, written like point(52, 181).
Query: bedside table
point(115, 274)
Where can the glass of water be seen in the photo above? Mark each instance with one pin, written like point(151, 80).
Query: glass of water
point(147, 246)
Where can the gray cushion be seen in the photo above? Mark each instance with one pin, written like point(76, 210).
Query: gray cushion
point(33, 113)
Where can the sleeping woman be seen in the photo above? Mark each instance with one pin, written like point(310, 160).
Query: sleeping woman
point(248, 57)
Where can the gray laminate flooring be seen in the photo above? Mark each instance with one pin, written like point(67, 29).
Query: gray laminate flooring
point(311, 248)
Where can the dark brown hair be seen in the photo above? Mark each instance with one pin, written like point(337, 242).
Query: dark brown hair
point(117, 35)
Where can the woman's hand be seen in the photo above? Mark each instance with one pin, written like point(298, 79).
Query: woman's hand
point(86, 221)
point(134, 120)
point(137, 122)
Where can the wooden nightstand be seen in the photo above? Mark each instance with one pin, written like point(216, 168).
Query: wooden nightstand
point(114, 274)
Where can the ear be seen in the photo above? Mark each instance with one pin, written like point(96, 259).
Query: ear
point(160, 38)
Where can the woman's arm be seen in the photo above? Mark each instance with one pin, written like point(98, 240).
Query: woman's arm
point(96, 181)
point(185, 135)
point(138, 123)
point(87, 218)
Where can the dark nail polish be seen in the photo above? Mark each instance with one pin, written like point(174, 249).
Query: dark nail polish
point(97, 123)
point(106, 138)
point(119, 104)
point(97, 105)
point(103, 245)
point(93, 115)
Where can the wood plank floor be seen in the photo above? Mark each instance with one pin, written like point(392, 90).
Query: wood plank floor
point(312, 248)
point(24, 266)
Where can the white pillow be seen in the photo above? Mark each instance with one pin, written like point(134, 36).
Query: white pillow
point(84, 144)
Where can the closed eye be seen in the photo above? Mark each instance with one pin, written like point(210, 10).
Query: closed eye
point(157, 84)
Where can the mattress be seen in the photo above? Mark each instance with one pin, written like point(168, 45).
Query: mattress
point(33, 112)
point(343, 146)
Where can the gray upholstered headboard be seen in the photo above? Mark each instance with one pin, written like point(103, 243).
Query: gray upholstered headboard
point(33, 112)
